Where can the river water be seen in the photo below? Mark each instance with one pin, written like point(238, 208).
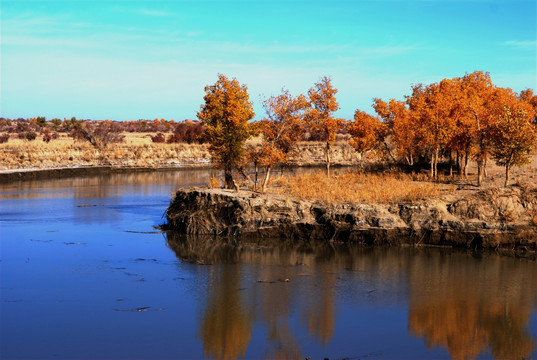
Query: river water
point(85, 275)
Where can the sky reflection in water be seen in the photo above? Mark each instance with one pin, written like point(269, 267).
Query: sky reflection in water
point(84, 275)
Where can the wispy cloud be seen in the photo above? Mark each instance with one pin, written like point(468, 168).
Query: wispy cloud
point(521, 44)
point(152, 12)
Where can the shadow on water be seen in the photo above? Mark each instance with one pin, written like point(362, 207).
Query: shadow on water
point(469, 305)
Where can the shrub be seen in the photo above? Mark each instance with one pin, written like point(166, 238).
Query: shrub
point(159, 138)
point(98, 134)
point(22, 127)
point(5, 125)
point(214, 183)
point(41, 121)
point(4, 138)
point(189, 132)
point(28, 135)
point(49, 135)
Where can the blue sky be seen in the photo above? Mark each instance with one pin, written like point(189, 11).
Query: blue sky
point(128, 60)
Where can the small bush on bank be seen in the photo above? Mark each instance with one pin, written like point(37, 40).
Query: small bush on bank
point(214, 183)
point(4, 138)
point(49, 135)
point(159, 138)
point(28, 135)
point(98, 134)
point(189, 132)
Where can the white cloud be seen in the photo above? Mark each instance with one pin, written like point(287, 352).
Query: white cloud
point(152, 12)
point(521, 44)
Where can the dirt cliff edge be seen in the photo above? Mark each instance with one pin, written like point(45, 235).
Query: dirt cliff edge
point(497, 220)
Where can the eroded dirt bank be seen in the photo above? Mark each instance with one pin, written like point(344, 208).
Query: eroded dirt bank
point(489, 219)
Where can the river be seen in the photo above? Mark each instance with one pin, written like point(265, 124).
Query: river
point(85, 275)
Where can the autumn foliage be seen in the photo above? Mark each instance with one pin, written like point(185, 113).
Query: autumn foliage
point(463, 118)
point(320, 115)
point(453, 121)
point(281, 129)
point(367, 132)
point(225, 115)
point(513, 137)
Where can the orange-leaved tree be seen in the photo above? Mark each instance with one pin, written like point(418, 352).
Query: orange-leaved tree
point(478, 106)
point(400, 126)
point(281, 130)
point(431, 108)
point(513, 136)
point(529, 97)
point(320, 118)
point(225, 115)
point(367, 132)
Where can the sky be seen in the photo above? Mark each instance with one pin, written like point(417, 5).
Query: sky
point(140, 59)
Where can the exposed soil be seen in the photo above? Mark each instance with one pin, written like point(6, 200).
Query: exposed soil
point(499, 218)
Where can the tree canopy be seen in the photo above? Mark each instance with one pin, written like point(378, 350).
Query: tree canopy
point(320, 116)
point(225, 115)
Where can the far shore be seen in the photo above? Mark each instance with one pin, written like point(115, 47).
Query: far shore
point(12, 175)
point(64, 157)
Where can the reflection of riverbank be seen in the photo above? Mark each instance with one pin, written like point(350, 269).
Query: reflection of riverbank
point(469, 305)
point(104, 184)
point(7, 176)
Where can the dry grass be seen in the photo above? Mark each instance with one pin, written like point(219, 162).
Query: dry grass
point(137, 150)
point(353, 187)
point(214, 183)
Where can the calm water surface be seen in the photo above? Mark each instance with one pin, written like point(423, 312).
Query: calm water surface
point(84, 275)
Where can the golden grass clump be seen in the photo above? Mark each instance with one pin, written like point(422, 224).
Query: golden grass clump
point(214, 183)
point(354, 187)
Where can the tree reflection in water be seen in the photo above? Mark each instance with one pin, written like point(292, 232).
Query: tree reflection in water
point(468, 305)
point(450, 308)
point(227, 322)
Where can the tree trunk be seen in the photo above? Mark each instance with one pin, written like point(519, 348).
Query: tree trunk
point(507, 168)
point(228, 178)
point(436, 163)
point(458, 164)
point(479, 172)
point(465, 169)
point(485, 172)
point(450, 163)
point(432, 166)
point(411, 160)
point(256, 172)
point(265, 180)
point(328, 159)
point(245, 175)
point(389, 152)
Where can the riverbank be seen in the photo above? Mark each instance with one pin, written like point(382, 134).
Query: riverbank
point(494, 219)
point(64, 152)
point(64, 157)
point(139, 151)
